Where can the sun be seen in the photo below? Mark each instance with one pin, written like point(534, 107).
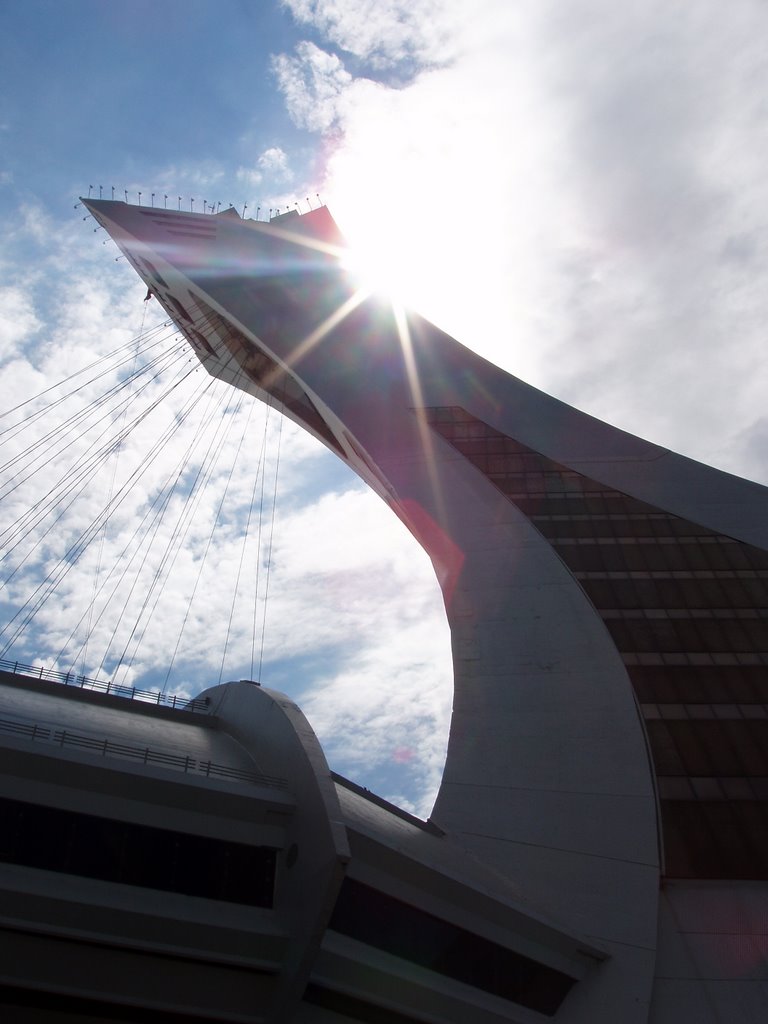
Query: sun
point(394, 258)
point(379, 272)
point(406, 262)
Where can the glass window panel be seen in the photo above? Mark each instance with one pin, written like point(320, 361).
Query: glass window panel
point(701, 710)
point(737, 789)
point(673, 711)
point(754, 711)
point(676, 660)
point(688, 841)
point(675, 788)
point(706, 660)
point(665, 753)
point(706, 789)
point(691, 741)
point(405, 931)
point(132, 854)
point(727, 711)
point(748, 740)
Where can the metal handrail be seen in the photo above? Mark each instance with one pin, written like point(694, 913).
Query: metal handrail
point(107, 747)
point(105, 686)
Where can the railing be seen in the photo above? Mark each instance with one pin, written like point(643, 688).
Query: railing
point(153, 200)
point(110, 748)
point(100, 686)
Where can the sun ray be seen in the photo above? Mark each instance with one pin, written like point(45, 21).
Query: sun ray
point(414, 385)
point(333, 320)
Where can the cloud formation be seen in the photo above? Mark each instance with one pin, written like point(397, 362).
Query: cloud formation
point(17, 319)
point(313, 83)
point(575, 192)
point(382, 32)
point(275, 160)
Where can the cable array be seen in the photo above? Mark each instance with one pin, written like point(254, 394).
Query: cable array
point(126, 487)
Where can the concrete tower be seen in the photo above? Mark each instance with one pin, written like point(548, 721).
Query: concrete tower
point(608, 752)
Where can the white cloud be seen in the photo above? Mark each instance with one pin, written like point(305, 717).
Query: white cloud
point(312, 82)
point(17, 319)
point(275, 161)
point(385, 32)
point(35, 222)
point(272, 164)
point(386, 717)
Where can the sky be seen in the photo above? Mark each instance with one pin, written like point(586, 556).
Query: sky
point(576, 190)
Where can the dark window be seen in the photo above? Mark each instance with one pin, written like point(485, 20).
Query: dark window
point(31, 1005)
point(379, 920)
point(710, 747)
point(199, 340)
point(179, 308)
point(353, 1008)
point(716, 839)
point(708, 684)
point(153, 271)
point(121, 851)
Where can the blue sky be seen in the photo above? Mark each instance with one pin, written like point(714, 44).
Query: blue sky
point(124, 91)
point(575, 190)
